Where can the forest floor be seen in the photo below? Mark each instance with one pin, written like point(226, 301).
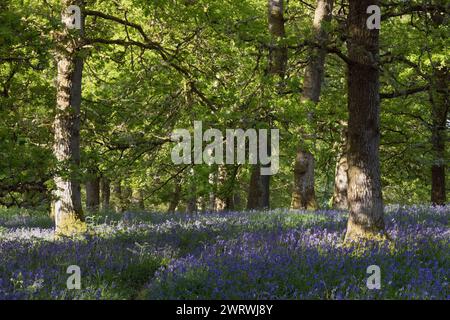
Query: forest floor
point(278, 254)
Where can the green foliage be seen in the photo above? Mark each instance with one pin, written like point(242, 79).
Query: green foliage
point(210, 64)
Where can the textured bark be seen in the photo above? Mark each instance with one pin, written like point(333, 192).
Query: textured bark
point(278, 53)
point(93, 193)
point(340, 178)
point(303, 195)
point(312, 83)
point(255, 198)
point(259, 187)
point(440, 105)
point(66, 148)
point(105, 195)
point(366, 216)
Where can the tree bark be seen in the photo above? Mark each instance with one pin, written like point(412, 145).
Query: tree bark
point(66, 148)
point(229, 193)
point(105, 186)
point(221, 188)
point(366, 216)
point(118, 196)
point(278, 54)
point(440, 105)
point(340, 178)
point(191, 205)
point(303, 195)
point(93, 193)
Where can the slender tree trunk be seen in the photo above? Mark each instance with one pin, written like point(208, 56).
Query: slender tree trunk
point(303, 195)
point(259, 188)
point(175, 197)
point(67, 206)
point(340, 178)
point(118, 197)
point(366, 216)
point(440, 105)
point(93, 193)
point(192, 196)
point(221, 188)
point(212, 180)
point(229, 193)
point(127, 197)
point(254, 200)
point(105, 187)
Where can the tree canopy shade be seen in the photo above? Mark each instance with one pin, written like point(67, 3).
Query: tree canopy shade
point(87, 114)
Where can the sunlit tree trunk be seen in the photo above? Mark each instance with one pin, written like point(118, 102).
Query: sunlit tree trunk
point(221, 192)
point(366, 216)
point(303, 194)
point(440, 106)
point(340, 178)
point(67, 206)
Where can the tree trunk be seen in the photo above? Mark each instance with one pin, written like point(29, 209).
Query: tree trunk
point(192, 196)
point(440, 104)
point(175, 197)
point(255, 197)
point(105, 194)
point(303, 195)
point(212, 180)
point(119, 204)
point(137, 199)
point(259, 188)
point(221, 188)
point(340, 178)
point(278, 54)
point(67, 206)
point(93, 193)
point(366, 216)
point(229, 192)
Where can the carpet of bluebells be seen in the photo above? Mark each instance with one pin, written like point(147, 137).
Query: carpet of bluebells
point(277, 254)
